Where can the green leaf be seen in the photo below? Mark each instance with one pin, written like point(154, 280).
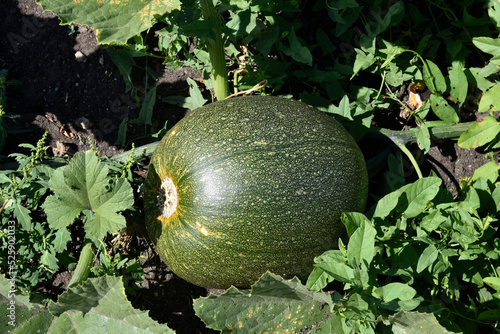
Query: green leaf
point(337, 270)
point(476, 77)
point(361, 247)
point(416, 323)
point(488, 45)
point(458, 83)
point(49, 260)
point(318, 279)
point(332, 265)
point(490, 99)
point(353, 220)
point(493, 282)
point(388, 203)
point(7, 286)
point(114, 21)
point(84, 185)
point(363, 61)
point(298, 51)
point(433, 78)
point(147, 108)
point(392, 51)
point(423, 138)
point(488, 171)
point(62, 237)
point(19, 315)
point(428, 257)
point(124, 60)
point(418, 194)
point(443, 110)
point(193, 101)
point(121, 139)
point(273, 304)
point(432, 221)
point(393, 291)
point(344, 109)
point(23, 216)
point(489, 316)
point(479, 133)
point(100, 305)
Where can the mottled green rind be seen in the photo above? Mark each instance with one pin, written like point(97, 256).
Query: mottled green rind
point(266, 177)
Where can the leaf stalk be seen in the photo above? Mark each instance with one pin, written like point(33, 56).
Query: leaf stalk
point(216, 52)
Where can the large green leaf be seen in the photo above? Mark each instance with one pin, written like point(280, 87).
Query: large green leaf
point(274, 304)
point(113, 21)
point(480, 133)
point(418, 194)
point(84, 185)
point(99, 305)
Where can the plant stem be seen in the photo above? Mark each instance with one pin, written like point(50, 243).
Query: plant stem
point(85, 263)
point(436, 132)
point(410, 156)
point(216, 52)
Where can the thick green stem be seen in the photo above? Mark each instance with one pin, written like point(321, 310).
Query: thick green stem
point(436, 132)
point(216, 52)
point(85, 263)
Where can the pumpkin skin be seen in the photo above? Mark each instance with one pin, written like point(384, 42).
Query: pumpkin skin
point(259, 185)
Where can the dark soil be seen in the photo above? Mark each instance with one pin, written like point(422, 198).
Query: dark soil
point(65, 76)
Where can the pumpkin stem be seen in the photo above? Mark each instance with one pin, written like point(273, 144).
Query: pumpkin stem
point(167, 197)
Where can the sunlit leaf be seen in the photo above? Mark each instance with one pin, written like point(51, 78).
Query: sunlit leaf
point(479, 133)
point(394, 291)
point(434, 78)
point(361, 245)
point(273, 304)
point(113, 21)
point(488, 171)
point(488, 45)
point(490, 99)
point(458, 83)
point(427, 259)
point(423, 138)
point(443, 110)
point(417, 196)
point(84, 186)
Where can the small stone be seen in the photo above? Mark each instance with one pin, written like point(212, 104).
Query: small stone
point(80, 57)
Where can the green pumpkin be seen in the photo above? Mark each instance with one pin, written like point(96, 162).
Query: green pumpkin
point(248, 185)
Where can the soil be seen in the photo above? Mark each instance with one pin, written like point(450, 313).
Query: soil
point(65, 77)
